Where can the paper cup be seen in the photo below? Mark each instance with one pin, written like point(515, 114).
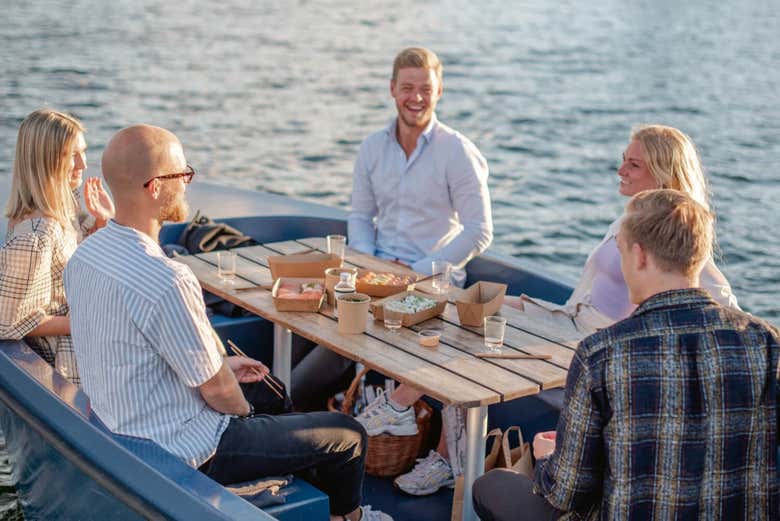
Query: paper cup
point(353, 313)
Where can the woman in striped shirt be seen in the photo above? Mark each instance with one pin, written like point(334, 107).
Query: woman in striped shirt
point(44, 226)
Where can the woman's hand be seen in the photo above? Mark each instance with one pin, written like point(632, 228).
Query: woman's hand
point(246, 369)
point(98, 202)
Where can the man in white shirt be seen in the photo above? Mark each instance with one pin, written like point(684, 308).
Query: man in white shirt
point(419, 190)
point(148, 355)
point(419, 195)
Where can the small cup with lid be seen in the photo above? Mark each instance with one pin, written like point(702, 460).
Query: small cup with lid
point(429, 337)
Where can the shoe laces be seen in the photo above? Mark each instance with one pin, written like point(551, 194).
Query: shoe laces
point(428, 463)
point(372, 515)
point(380, 399)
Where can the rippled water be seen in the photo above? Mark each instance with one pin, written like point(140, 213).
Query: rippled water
point(277, 96)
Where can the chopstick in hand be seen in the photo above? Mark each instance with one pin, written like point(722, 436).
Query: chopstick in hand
point(513, 356)
point(268, 381)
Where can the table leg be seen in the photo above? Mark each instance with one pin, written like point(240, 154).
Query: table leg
point(282, 354)
point(476, 430)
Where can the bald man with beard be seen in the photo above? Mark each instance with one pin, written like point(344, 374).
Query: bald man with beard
point(148, 356)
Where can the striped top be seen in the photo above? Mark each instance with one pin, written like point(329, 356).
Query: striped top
point(143, 342)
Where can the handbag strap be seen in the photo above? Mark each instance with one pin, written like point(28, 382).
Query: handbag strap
point(506, 451)
point(496, 446)
point(350, 395)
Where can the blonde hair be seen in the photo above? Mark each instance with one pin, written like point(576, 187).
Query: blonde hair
point(673, 160)
point(671, 225)
point(417, 57)
point(42, 165)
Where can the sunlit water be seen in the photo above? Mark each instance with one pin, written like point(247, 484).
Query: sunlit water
point(277, 96)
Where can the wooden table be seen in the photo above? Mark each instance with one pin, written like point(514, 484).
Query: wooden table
point(450, 373)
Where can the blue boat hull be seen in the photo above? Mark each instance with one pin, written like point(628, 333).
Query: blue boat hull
point(71, 467)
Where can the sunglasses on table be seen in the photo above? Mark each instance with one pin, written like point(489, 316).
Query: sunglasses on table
point(186, 176)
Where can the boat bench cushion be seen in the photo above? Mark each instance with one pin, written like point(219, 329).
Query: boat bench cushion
point(302, 500)
point(297, 501)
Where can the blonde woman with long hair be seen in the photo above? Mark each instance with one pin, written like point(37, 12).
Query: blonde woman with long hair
point(44, 227)
point(657, 156)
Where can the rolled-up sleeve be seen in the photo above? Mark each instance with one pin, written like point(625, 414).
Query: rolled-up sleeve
point(181, 333)
point(25, 284)
point(467, 175)
point(360, 225)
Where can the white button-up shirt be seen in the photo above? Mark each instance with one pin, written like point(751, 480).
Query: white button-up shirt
point(143, 342)
point(433, 205)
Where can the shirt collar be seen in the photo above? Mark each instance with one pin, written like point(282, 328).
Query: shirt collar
point(426, 133)
point(129, 232)
point(691, 297)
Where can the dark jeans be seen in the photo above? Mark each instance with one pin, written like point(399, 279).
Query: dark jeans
point(328, 449)
point(505, 495)
point(318, 373)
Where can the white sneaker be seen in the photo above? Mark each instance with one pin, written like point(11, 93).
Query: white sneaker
point(373, 515)
point(428, 475)
point(379, 416)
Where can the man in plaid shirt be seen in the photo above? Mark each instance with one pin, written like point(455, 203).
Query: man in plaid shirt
point(671, 413)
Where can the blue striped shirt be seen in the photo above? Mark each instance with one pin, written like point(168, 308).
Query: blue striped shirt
point(143, 342)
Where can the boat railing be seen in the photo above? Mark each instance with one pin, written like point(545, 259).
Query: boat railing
point(56, 440)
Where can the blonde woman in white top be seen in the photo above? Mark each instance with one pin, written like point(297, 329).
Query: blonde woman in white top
point(656, 157)
point(44, 227)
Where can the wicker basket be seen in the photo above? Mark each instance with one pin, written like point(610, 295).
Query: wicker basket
point(388, 455)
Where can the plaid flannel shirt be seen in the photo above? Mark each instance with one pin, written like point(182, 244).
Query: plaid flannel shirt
point(671, 413)
point(31, 264)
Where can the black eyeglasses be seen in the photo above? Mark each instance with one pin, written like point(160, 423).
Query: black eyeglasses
point(187, 176)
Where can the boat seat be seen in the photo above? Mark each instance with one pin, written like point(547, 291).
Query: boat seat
point(57, 439)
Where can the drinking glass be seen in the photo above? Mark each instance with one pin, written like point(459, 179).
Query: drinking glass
point(442, 271)
point(393, 319)
point(226, 266)
point(336, 245)
point(494, 333)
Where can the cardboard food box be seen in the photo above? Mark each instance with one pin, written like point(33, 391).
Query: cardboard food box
point(478, 301)
point(306, 265)
point(287, 304)
point(409, 319)
point(383, 290)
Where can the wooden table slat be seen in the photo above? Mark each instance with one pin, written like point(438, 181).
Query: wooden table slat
point(287, 247)
point(207, 274)
point(520, 340)
point(450, 373)
point(443, 385)
point(515, 317)
point(546, 374)
point(509, 384)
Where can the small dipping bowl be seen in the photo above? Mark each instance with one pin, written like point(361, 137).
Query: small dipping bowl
point(429, 337)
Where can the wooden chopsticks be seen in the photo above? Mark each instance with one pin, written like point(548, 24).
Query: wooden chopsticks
point(268, 381)
point(513, 356)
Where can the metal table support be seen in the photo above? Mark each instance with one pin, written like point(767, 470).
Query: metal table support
point(282, 354)
point(476, 431)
